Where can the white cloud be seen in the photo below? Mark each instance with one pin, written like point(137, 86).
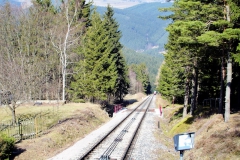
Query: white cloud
point(25, 3)
point(28, 1)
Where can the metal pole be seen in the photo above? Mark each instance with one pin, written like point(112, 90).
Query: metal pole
point(181, 154)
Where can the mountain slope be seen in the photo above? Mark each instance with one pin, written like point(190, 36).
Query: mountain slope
point(123, 3)
point(140, 26)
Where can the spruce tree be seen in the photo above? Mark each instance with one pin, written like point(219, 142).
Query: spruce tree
point(114, 35)
point(94, 46)
point(98, 71)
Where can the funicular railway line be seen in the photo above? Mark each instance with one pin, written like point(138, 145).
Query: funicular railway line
point(116, 144)
point(112, 140)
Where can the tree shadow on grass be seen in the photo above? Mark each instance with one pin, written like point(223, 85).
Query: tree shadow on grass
point(204, 112)
point(190, 120)
point(178, 114)
point(200, 112)
point(16, 152)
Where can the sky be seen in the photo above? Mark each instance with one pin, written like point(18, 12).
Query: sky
point(28, 1)
point(113, 3)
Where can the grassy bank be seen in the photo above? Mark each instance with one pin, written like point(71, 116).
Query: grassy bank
point(66, 124)
point(214, 139)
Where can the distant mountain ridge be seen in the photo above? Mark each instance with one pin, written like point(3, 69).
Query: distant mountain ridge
point(140, 26)
point(121, 4)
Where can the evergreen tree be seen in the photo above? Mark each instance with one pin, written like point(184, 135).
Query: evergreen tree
point(102, 70)
point(189, 23)
point(114, 35)
point(93, 48)
point(171, 80)
point(198, 33)
point(224, 34)
point(98, 71)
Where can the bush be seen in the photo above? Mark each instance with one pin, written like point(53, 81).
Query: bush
point(78, 101)
point(6, 146)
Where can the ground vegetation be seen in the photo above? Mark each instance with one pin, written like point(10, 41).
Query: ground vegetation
point(214, 139)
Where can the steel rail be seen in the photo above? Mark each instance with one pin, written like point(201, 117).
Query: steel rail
point(129, 126)
point(85, 155)
point(110, 149)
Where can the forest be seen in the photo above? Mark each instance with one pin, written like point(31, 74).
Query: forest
point(142, 43)
point(151, 58)
point(203, 55)
point(66, 53)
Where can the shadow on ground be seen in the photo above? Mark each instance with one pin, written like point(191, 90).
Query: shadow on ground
point(110, 108)
point(16, 152)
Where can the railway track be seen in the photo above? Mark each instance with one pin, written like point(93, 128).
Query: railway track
point(110, 141)
point(116, 143)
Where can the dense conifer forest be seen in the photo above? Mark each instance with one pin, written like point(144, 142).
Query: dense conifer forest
point(203, 59)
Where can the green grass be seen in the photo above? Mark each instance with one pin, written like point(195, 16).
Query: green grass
point(182, 126)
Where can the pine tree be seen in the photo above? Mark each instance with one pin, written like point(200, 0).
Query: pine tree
point(224, 33)
point(190, 18)
point(203, 33)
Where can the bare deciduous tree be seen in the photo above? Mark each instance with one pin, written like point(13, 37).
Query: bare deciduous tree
point(65, 37)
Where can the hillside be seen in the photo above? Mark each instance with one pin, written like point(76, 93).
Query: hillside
point(214, 139)
point(140, 26)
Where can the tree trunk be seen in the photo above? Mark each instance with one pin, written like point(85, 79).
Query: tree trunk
point(229, 77)
point(63, 81)
point(186, 94)
point(220, 109)
point(194, 88)
point(228, 88)
point(13, 111)
point(186, 98)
